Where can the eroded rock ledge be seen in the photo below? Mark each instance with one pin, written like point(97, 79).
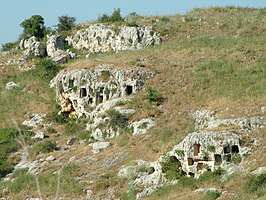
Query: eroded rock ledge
point(79, 90)
point(105, 38)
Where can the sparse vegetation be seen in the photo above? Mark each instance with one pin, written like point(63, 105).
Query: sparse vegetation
point(171, 167)
point(213, 57)
point(115, 17)
point(43, 147)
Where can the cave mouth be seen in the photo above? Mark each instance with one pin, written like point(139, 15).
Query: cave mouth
point(129, 89)
point(83, 92)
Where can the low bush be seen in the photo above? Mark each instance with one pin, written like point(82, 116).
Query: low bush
point(43, 147)
point(9, 46)
point(255, 183)
point(8, 144)
point(172, 168)
point(47, 69)
point(154, 96)
point(115, 17)
point(116, 119)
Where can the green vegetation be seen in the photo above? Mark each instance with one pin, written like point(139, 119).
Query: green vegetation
point(211, 148)
point(8, 145)
point(66, 23)
point(115, 17)
point(9, 46)
point(154, 96)
point(34, 26)
point(211, 195)
point(171, 167)
point(117, 120)
point(25, 182)
point(47, 69)
point(43, 147)
point(256, 184)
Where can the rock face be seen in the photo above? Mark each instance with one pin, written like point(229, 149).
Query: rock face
point(204, 151)
point(32, 47)
point(77, 90)
point(55, 49)
point(212, 146)
point(105, 38)
point(206, 119)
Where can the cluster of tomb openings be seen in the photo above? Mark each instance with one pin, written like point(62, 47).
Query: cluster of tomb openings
point(129, 89)
point(232, 149)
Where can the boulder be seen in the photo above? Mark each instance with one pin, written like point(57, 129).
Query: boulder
point(98, 146)
point(32, 47)
point(142, 126)
point(11, 85)
point(55, 49)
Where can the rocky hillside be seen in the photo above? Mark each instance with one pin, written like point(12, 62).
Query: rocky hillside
point(155, 107)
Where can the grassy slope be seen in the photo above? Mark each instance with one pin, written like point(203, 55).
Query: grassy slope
point(212, 58)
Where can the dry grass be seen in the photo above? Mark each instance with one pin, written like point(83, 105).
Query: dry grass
point(215, 60)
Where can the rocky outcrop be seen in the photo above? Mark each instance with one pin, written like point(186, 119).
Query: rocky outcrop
point(79, 90)
point(105, 38)
point(97, 94)
point(206, 119)
point(55, 49)
point(32, 47)
point(211, 147)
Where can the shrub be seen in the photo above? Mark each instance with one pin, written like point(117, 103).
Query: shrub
point(154, 96)
point(43, 147)
point(9, 46)
point(116, 119)
point(8, 145)
point(172, 168)
point(66, 23)
point(211, 195)
point(211, 148)
point(115, 17)
point(255, 183)
point(46, 68)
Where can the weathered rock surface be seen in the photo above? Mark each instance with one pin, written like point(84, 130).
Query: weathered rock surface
point(55, 49)
point(32, 47)
point(105, 38)
point(34, 120)
point(11, 85)
point(98, 146)
point(77, 90)
point(206, 119)
point(141, 127)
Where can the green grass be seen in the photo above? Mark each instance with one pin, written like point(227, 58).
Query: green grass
point(24, 183)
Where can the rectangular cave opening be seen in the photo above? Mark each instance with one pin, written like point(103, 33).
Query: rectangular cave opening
point(71, 83)
point(226, 149)
point(190, 161)
point(227, 157)
point(129, 89)
point(199, 166)
point(90, 100)
point(217, 159)
point(191, 174)
point(83, 92)
point(99, 98)
point(196, 149)
point(235, 149)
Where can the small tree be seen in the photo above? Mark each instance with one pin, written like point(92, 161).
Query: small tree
point(116, 16)
point(33, 26)
point(66, 23)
